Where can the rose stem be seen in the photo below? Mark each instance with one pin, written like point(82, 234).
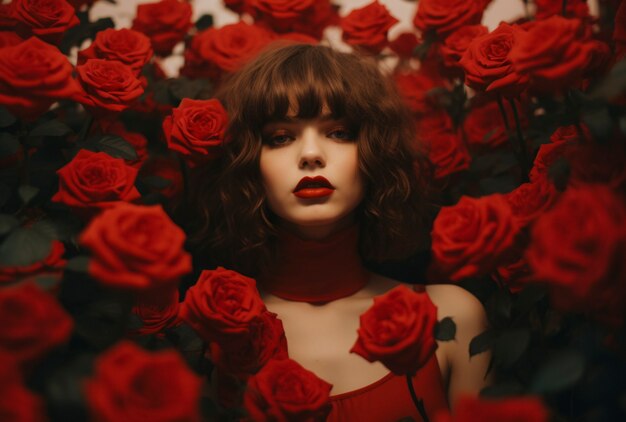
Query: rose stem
point(518, 155)
point(84, 130)
point(572, 109)
point(185, 173)
point(419, 403)
point(520, 140)
point(564, 8)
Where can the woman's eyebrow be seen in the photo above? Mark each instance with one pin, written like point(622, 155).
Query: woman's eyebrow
point(295, 119)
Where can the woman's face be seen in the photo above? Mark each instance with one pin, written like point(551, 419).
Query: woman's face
point(310, 171)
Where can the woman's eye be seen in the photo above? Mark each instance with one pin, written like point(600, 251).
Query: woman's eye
point(278, 139)
point(341, 133)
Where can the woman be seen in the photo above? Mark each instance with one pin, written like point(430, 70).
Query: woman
point(320, 176)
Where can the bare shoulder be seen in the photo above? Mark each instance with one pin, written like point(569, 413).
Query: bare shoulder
point(452, 300)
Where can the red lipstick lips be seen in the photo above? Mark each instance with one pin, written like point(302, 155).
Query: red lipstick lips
point(313, 187)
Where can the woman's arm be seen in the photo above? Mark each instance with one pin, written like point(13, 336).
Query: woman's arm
point(465, 375)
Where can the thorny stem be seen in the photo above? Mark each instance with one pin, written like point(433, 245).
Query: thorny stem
point(419, 403)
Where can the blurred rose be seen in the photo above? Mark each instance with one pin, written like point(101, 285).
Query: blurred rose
point(48, 20)
point(404, 44)
point(515, 274)
point(446, 151)
point(444, 17)
point(33, 322)
point(9, 39)
point(7, 21)
point(157, 310)
point(518, 409)
point(398, 330)
point(165, 22)
point(17, 403)
point(222, 305)
point(49, 78)
point(530, 200)
point(125, 45)
point(599, 162)
point(280, 15)
point(470, 239)
point(483, 127)
point(457, 43)
point(285, 391)
point(216, 51)
point(574, 9)
point(367, 27)
point(53, 264)
point(93, 181)
point(415, 88)
point(109, 85)
point(135, 385)
point(196, 129)
point(135, 247)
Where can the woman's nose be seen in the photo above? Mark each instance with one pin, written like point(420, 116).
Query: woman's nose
point(311, 152)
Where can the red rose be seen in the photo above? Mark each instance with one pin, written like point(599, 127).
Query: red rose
point(284, 391)
point(404, 44)
point(125, 45)
point(165, 22)
point(137, 140)
point(157, 310)
point(437, 121)
point(134, 385)
point(446, 151)
point(109, 85)
point(33, 322)
point(487, 65)
point(445, 16)
point(135, 247)
point(196, 129)
point(574, 9)
point(237, 6)
point(49, 78)
point(9, 39)
point(529, 200)
point(457, 43)
point(518, 409)
point(7, 21)
point(17, 403)
point(398, 330)
point(483, 127)
point(216, 51)
point(516, 274)
point(280, 15)
point(579, 247)
point(313, 23)
point(94, 180)
point(367, 27)
point(80, 3)
point(52, 264)
point(470, 239)
point(415, 89)
point(221, 305)
point(49, 20)
point(298, 38)
point(571, 133)
point(555, 53)
point(265, 341)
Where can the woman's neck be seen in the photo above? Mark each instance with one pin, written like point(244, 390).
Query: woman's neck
point(316, 271)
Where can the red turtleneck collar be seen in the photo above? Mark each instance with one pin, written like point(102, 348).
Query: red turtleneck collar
point(316, 271)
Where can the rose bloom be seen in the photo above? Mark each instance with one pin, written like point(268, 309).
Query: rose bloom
point(109, 85)
point(135, 247)
point(487, 65)
point(447, 152)
point(555, 53)
point(9, 39)
point(237, 6)
point(367, 27)
point(7, 21)
point(17, 403)
point(548, 155)
point(157, 310)
point(196, 129)
point(457, 43)
point(53, 264)
point(133, 385)
point(530, 200)
point(33, 322)
point(483, 126)
point(322, 15)
point(34, 74)
point(414, 88)
point(517, 409)
point(398, 330)
point(222, 305)
point(165, 22)
point(578, 249)
point(404, 44)
point(445, 16)
point(574, 9)
point(266, 340)
point(280, 15)
point(94, 180)
point(285, 391)
point(48, 20)
point(470, 239)
point(216, 51)
point(125, 45)
point(515, 274)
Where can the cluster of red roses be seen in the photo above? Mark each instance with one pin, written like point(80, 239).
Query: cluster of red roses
point(563, 227)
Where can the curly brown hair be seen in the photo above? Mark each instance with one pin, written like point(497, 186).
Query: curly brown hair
point(237, 229)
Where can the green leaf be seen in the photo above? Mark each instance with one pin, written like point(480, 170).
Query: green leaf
point(27, 193)
point(205, 21)
point(185, 338)
point(502, 304)
point(9, 144)
point(482, 342)
point(6, 118)
point(61, 229)
point(51, 128)
point(560, 372)
point(445, 330)
point(510, 346)
point(79, 264)
point(7, 223)
point(115, 146)
point(24, 247)
point(46, 282)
